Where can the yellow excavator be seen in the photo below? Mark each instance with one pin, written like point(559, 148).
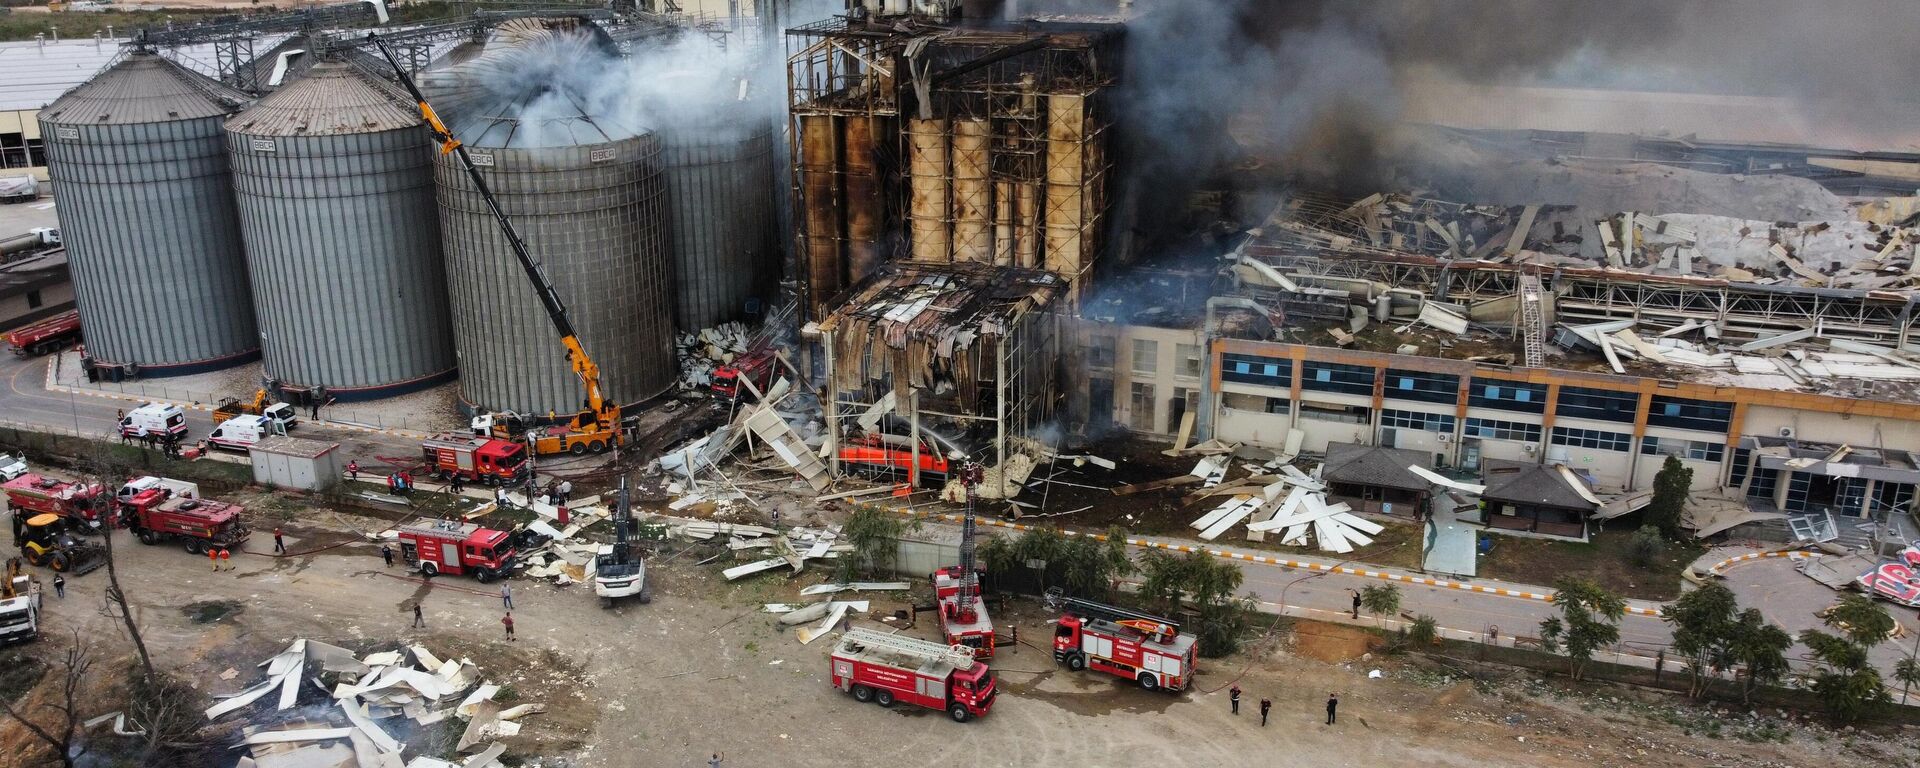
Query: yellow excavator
point(597, 427)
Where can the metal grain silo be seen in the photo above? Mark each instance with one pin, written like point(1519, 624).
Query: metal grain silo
point(585, 193)
point(335, 182)
point(720, 191)
point(147, 214)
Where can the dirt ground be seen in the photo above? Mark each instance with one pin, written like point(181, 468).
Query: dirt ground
point(1603, 559)
point(701, 669)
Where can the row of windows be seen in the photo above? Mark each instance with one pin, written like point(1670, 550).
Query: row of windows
point(1334, 377)
point(1424, 387)
point(1693, 450)
point(1494, 429)
point(1146, 356)
point(1681, 413)
point(1599, 404)
point(1430, 422)
point(1252, 369)
point(1592, 438)
point(1509, 396)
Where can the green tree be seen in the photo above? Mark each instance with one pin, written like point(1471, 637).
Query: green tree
point(1907, 671)
point(1090, 566)
point(875, 536)
point(1846, 683)
point(1589, 620)
point(1670, 489)
point(1863, 620)
point(997, 554)
point(1760, 648)
point(1045, 545)
point(1424, 630)
point(1702, 622)
point(1164, 577)
point(1381, 600)
point(1646, 546)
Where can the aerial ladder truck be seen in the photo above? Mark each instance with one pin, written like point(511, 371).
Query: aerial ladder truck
point(596, 427)
point(956, 589)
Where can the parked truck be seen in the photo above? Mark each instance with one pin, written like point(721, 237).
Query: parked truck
point(201, 524)
point(885, 668)
point(486, 460)
point(454, 548)
point(47, 336)
point(282, 416)
point(33, 494)
point(756, 366)
point(19, 605)
point(142, 483)
point(1146, 649)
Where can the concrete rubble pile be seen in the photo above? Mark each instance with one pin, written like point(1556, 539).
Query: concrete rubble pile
point(561, 558)
point(700, 353)
point(371, 699)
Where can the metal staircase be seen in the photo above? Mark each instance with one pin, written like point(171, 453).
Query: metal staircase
point(1533, 322)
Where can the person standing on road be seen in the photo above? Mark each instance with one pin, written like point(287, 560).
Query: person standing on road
point(213, 558)
point(1356, 602)
point(1333, 703)
point(226, 563)
point(507, 621)
point(1234, 696)
point(419, 619)
point(506, 596)
point(279, 542)
point(1265, 705)
point(566, 492)
point(353, 470)
point(60, 585)
point(386, 553)
point(715, 761)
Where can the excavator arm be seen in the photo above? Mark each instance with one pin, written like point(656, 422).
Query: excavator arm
point(583, 366)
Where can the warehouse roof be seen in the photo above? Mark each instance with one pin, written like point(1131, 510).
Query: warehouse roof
point(38, 72)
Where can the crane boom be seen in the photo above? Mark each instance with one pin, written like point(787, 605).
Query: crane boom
point(583, 365)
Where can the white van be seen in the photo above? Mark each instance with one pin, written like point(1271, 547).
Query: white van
point(154, 419)
point(241, 432)
point(138, 485)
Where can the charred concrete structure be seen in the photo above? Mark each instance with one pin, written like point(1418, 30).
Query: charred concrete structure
point(948, 142)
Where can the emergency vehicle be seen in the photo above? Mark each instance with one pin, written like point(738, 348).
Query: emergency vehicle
point(157, 419)
point(484, 459)
point(885, 668)
point(1141, 647)
point(453, 547)
point(241, 433)
point(32, 494)
point(155, 516)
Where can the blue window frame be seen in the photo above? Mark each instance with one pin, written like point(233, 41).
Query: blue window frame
point(1692, 450)
point(1422, 387)
point(1334, 377)
point(1252, 369)
point(1508, 396)
point(1494, 429)
point(1429, 422)
point(1592, 438)
point(1681, 413)
point(1597, 404)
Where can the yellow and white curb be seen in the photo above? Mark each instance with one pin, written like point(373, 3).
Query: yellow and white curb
point(1283, 562)
point(1796, 554)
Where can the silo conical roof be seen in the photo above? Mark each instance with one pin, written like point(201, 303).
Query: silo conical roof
point(144, 87)
point(334, 98)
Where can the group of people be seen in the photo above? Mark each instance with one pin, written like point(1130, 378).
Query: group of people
point(1266, 705)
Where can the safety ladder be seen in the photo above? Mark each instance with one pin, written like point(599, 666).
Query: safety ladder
point(860, 637)
point(1533, 323)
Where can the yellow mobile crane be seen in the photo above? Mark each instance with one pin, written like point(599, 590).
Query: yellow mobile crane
point(597, 426)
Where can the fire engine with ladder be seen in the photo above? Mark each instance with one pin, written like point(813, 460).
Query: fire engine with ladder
point(956, 589)
point(1141, 647)
point(885, 668)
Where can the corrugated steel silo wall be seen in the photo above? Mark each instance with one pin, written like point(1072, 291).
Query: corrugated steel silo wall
point(153, 240)
point(595, 217)
point(344, 246)
point(720, 188)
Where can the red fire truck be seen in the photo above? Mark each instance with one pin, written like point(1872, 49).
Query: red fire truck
point(156, 515)
point(482, 459)
point(885, 668)
point(1140, 647)
point(452, 547)
point(35, 494)
point(756, 366)
point(47, 335)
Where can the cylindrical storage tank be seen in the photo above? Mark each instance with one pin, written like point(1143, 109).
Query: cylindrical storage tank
point(593, 215)
point(147, 214)
point(335, 181)
point(720, 192)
